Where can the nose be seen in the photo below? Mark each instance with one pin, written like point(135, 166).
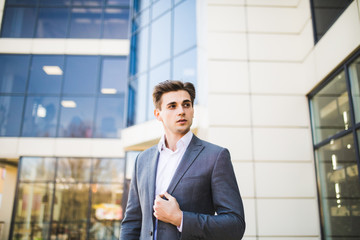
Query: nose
point(181, 110)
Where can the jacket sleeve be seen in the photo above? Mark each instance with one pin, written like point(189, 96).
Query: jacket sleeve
point(229, 221)
point(131, 225)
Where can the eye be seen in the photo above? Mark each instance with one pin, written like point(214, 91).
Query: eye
point(172, 106)
point(187, 105)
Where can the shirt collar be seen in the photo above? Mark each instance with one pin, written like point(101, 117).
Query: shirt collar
point(182, 143)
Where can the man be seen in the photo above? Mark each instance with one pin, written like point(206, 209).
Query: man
point(184, 187)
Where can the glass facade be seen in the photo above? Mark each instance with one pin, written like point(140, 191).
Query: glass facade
point(69, 198)
point(62, 96)
point(66, 19)
point(325, 13)
point(163, 46)
point(336, 127)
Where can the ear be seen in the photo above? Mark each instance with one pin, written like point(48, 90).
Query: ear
point(157, 114)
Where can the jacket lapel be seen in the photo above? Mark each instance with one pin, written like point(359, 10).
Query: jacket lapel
point(154, 157)
point(189, 157)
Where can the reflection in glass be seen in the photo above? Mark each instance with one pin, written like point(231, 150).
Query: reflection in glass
point(87, 2)
point(52, 23)
point(185, 67)
point(339, 187)
point(330, 109)
point(142, 19)
point(37, 169)
point(117, 2)
point(354, 72)
point(142, 50)
point(72, 170)
point(18, 22)
point(160, 40)
point(46, 74)
point(109, 117)
point(40, 118)
point(85, 23)
point(81, 74)
point(160, 7)
point(76, 118)
point(113, 75)
point(11, 109)
point(55, 2)
point(22, 2)
point(141, 101)
point(109, 170)
point(116, 23)
point(157, 75)
point(13, 73)
point(184, 26)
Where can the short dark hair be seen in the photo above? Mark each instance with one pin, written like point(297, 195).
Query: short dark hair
point(172, 86)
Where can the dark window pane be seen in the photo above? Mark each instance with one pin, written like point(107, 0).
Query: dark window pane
point(339, 187)
point(40, 119)
point(109, 170)
point(157, 75)
point(185, 67)
point(87, 2)
point(22, 2)
point(13, 73)
point(46, 74)
point(160, 39)
point(118, 2)
point(11, 109)
point(330, 109)
point(18, 22)
point(326, 12)
point(85, 23)
point(81, 76)
point(55, 2)
point(76, 119)
point(109, 117)
point(32, 229)
point(113, 75)
point(354, 72)
point(37, 169)
point(72, 170)
point(52, 23)
point(116, 23)
point(184, 26)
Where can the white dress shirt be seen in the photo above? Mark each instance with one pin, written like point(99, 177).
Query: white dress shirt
point(168, 163)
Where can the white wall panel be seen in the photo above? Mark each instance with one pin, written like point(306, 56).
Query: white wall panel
point(229, 109)
point(288, 217)
point(250, 217)
point(36, 147)
point(237, 140)
point(282, 144)
point(272, 3)
point(285, 180)
point(228, 77)
point(8, 147)
point(227, 46)
point(226, 19)
point(270, 110)
point(226, 2)
point(244, 172)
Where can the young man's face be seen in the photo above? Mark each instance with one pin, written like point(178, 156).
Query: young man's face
point(176, 112)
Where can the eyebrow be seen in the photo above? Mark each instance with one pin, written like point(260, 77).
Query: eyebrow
point(185, 101)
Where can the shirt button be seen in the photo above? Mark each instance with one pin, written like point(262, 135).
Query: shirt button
point(151, 233)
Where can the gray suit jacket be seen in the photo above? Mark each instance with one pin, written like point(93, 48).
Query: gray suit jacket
point(203, 184)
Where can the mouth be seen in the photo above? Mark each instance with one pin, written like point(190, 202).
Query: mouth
point(181, 121)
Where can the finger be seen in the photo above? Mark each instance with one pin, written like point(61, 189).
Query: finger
point(168, 196)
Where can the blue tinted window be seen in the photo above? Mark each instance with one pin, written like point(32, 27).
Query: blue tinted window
point(22, 2)
point(118, 2)
point(184, 26)
point(142, 50)
point(116, 23)
point(11, 109)
point(40, 118)
point(46, 74)
point(141, 99)
point(85, 23)
point(160, 7)
point(184, 67)
point(142, 19)
point(81, 74)
point(19, 22)
point(55, 2)
point(13, 73)
point(52, 23)
point(87, 2)
point(76, 117)
point(161, 39)
point(113, 75)
point(157, 75)
point(109, 117)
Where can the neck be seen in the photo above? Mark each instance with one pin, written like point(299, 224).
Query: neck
point(172, 139)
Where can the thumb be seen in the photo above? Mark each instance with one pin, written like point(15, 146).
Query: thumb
point(168, 196)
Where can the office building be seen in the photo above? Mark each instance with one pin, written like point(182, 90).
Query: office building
point(277, 84)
